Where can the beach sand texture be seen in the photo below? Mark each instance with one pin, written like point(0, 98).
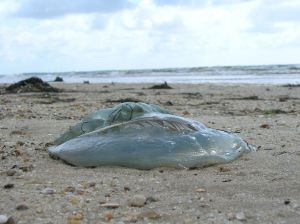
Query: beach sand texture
point(261, 187)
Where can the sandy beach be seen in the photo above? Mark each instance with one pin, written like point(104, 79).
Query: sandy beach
point(260, 187)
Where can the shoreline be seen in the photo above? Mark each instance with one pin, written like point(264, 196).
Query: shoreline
point(260, 187)
point(161, 82)
point(276, 74)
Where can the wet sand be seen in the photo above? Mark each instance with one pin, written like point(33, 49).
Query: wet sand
point(261, 187)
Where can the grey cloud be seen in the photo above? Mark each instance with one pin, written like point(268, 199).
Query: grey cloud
point(197, 2)
point(227, 2)
point(41, 9)
point(283, 13)
point(179, 2)
point(169, 2)
point(278, 12)
point(267, 16)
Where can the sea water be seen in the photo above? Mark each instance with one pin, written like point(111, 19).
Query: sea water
point(262, 74)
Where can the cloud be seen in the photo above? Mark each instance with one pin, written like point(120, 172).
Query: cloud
point(273, 16)
point(174, 2)
point(282, 11)
point(7, 7)
point(130, 34)
point(41, 9)
point(198, 3)
point(228, 2)
point(181, 3)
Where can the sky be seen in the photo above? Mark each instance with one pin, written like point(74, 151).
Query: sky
point(89, 35)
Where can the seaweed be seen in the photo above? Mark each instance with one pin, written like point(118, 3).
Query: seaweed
point(291, 85)
point(123, 100)
point(33, 84)
point(58, 79)
point(274, 111)
point(161, 86)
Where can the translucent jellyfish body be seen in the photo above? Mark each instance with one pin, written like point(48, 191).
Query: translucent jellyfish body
point(151, 140)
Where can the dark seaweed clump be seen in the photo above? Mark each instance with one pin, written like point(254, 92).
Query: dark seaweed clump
point(33, 84)
point(161, 86)
point(58, 79)
point(291, 85)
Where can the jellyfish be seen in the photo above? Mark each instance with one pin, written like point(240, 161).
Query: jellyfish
point(147, 138)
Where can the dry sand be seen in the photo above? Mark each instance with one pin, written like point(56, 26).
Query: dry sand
point(261, 187)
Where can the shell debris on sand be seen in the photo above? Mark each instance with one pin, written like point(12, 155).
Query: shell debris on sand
point(110, 205)
point(48, 191)
point(200, 190)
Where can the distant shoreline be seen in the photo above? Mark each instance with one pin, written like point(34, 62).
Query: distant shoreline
point(269, 74)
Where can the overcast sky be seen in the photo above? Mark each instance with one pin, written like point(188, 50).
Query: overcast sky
point(81, 35)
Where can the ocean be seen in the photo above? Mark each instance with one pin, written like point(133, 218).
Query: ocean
point(262, 74)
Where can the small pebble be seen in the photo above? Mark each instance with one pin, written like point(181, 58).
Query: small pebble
point(137, 201)
point(3, 219)
point(79, 192)
point(240, 216)
point(264, 126)
point(11, 173)
point(20, 143)
point(75, 219)
point(185, 113)
point(70, 189)
point(126, 188)
point(8, 186)
point(230, 216)
point(48, 191)
point(86, 184)
point(11, 220)
point(131, 217)
point(73, 200)
point(226, 180)
point(22, 207)
point(17, 152)
point(224, 169)
point(151, 199)
point(39, 210)
point(108, 216)
point(149, 214)
point(26, 168)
